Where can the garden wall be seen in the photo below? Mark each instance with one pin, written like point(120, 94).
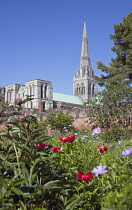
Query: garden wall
point(81, 120)
point(81, 117)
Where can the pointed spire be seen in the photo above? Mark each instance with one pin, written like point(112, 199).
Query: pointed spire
point(85, 57)
point(84, 30)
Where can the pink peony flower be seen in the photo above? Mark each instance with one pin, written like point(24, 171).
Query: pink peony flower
point(22, 117)
point(56, 149)
point(18, 101)
point(85, 177)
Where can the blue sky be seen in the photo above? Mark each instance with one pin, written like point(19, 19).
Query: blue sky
point(41, 39)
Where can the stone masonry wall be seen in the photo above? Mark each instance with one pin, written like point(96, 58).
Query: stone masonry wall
point(81, 119)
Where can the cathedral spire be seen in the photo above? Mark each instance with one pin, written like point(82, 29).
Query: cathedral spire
point(85, 56)
point(84, 84)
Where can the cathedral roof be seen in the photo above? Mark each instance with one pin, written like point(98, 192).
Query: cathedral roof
point(67, 98)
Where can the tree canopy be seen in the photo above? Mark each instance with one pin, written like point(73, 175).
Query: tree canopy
point(120, 71)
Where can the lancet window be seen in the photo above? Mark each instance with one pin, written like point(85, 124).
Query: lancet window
point(93, 90)
point(89, 89)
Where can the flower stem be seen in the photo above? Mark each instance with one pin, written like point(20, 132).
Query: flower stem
point(17, 157)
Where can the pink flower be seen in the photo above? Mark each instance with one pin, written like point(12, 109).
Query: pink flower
point(56, 149)
point(64, 139)
point(18, 101)
point(41, 145)
point(85, 177)
point(22, 117)
point(70, 138)
point(102, 148)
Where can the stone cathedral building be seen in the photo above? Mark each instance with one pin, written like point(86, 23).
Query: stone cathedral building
point(84, 86)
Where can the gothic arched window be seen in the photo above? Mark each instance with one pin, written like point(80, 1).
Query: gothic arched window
point(78, 90)
point(83, 89)
point(89, 89)
point(41, 91)
point(45, 91)
point(93, 90)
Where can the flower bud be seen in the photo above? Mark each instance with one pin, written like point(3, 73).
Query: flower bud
point(18, 101)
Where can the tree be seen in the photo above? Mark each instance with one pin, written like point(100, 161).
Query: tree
point(120, 71)
point(111, 108)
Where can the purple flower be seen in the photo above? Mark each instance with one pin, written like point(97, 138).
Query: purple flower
point(111, 146)
point(127, 152)
point(96, 132)
point(99, 170)
point(119, 142)
point(85, 136)
point(75, 134)
point(82, 138)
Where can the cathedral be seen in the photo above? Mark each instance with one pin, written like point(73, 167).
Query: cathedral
point(84, 86)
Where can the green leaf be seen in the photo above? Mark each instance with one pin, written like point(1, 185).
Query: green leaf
point(18, 182)
point(16, 191)
point(73, 202)
point(16, 131)
point(51, 185)
point(3, 183)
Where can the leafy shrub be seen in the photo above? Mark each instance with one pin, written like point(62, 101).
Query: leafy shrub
point(59, 121)
point(116, 134)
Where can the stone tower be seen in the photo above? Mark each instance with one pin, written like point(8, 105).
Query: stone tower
point(84, 84)
point(42, 93)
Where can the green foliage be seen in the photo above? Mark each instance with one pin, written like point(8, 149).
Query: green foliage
point(111, 107)
point(38, 178)
point(118, 74)
point(32, 178)
point(59, 120)
point(116, 134)
point(24, 168)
